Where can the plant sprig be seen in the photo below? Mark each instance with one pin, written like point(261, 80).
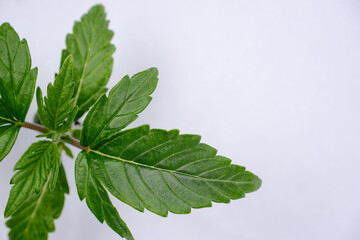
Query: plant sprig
point(162, 171)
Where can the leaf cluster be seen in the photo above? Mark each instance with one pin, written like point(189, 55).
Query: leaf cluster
point(162, 171)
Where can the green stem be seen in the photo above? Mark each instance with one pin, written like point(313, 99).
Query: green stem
point(34, 126)
point(41, 128)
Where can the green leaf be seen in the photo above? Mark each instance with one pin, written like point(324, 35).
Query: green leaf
point(5, 116)
point(17, 79)
point(35, 218)
point(34, 167)
point(58, 112)
point(8, 135)
point(92, 51)
point(164, 171)
point(97, 197)
point(85, 106)
point(66, 149)
point(75, 133)
point(110, 115)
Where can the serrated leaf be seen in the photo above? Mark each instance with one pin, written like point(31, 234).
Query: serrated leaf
point(110, 115)
point(85, 106)
point(58, 112)
point(164, 171)
point(35, 218)
point(34, 167)
point(8, 135)
point(97, 198)
point(17, 79)
point(90, 45)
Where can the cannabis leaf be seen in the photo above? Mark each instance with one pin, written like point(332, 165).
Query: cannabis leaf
point(37, 166)
point(110, 115)
point(153, 169)
point(16, 78)
point(92, 51)
point(17, 81)
point(35, 218)
point(164, 171)
point(97, 198)
point(59, 111)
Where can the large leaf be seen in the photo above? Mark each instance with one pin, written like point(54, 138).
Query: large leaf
point(97, 198)
point(92, 51)
point(8, 135)
point(164, 171)
point(35, 218)
point(58, 112)
point(110, 115)
point(17, 79)
point(39, 161)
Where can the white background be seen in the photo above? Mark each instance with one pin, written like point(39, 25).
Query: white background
point(273, 85)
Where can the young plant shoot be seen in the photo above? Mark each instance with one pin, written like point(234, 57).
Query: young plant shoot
point(154, 169)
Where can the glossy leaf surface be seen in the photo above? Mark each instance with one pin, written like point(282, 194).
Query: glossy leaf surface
point(17, 83)
point(92, 51)
point(111, 114)
point(164, 171)
point(17, 79)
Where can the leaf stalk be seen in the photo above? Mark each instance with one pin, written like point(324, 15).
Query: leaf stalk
point(41, 128)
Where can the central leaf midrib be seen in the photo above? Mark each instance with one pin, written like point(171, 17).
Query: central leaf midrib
point(11, 74)
point(38, 201)
point(58, 99)
point(166, 170)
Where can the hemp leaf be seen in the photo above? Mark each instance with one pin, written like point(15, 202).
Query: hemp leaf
point(110, 115)
point(97, 198)
point(17, 81)
point(35, 218)
point(92, 51)
point(154, 169)
point(164, 171)
point(59, 111)
point(37, 166)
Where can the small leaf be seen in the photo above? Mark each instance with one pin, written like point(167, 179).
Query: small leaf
point(90, 45)
point(17, 79)
point(97, 197)
point(164, 171)
point(35, 218)
point(8, 135)
point(58, 112)
point(110, 115)
point(68, 152)
point(34, 166)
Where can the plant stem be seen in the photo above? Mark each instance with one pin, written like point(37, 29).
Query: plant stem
point(73, 141)
point(34, 126)
point(41, 128)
